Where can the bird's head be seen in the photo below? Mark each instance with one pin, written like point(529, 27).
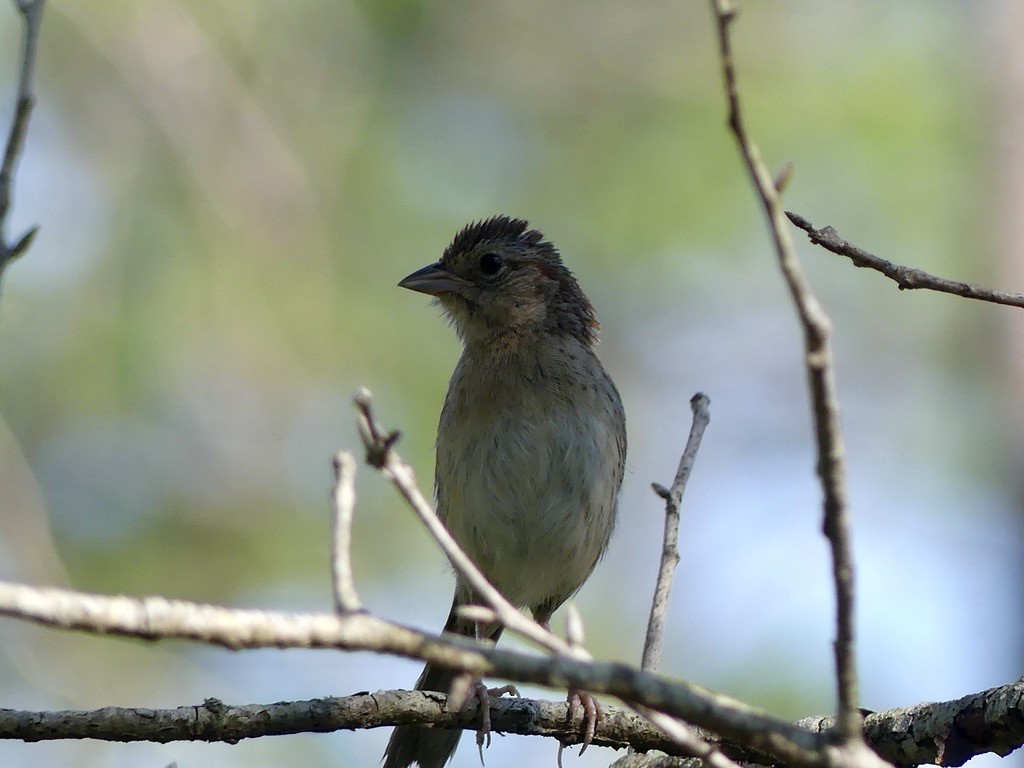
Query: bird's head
point(499, 279)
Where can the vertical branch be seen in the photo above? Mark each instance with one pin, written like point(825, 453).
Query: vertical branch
point(32, 13)
point(670, 550)
point(346, 599)
point(824, 401)
point(682, 734)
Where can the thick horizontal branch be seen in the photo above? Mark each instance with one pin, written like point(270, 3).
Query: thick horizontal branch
point(947, 733)
point(215, 721)
point(907, 278)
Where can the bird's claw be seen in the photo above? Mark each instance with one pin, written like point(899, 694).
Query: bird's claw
point(483, 695)
point(591, 713)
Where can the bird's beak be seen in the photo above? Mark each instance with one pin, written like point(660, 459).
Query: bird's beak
point(433, 280)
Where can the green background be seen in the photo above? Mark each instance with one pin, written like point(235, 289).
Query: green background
point(228, 194)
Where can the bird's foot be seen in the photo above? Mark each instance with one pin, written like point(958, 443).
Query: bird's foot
point(591, 713)
point(484, 694)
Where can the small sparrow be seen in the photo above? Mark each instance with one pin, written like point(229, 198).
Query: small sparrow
point(531, 444)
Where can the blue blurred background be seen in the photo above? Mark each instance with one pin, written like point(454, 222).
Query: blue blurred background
point(229, 192)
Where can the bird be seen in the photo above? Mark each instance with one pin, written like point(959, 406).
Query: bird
point(531, 442)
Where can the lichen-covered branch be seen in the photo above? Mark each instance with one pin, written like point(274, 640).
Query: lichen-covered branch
point(945, 733)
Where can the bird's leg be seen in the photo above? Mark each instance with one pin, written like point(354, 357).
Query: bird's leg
point(483, 695)
point(578, 700)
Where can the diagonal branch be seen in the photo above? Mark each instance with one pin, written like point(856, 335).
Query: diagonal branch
point(156, 617)
point(907, 278)
point(32, 14)
point(380, 454)
point(692, 742)
point(824, 401)
point(670, 546)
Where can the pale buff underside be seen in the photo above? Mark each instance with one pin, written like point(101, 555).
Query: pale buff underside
point(532, 459)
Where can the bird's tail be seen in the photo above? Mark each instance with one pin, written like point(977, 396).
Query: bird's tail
point(432, 747)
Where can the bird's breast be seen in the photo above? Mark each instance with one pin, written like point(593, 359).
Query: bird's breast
point(529, 462)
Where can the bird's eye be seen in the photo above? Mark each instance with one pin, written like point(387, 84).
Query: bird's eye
point(490, 263)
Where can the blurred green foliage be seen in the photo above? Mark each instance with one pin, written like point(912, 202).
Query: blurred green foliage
point(229, 192)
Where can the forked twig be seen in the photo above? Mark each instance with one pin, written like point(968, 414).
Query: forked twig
point(670, 544)
point(907, 278)
point(682, 734)
point(32, 13)
point(825, 404)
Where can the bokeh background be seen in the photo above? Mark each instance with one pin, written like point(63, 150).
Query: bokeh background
point(228, 193)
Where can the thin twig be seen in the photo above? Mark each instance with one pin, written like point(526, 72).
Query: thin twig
point(574, 632)
point(821, 380)
point(907, 278)
point(380, 453)
point(670, 543)
point(682, 734)
point(32, 14)
point(687, 739)
point(346, 599)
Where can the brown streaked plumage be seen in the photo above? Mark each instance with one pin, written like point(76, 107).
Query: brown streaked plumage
point(532, 439)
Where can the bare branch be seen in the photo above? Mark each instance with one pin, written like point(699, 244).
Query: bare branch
point(821, 380)
point(574, 632)
point(670, 550)
point(379, 453)
point(688, 739)
point(907, 278)
point(346, 599)
point(157, 617)
point(214, 721)
point(32, 14)
point(691, 742)
point(946, 733)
